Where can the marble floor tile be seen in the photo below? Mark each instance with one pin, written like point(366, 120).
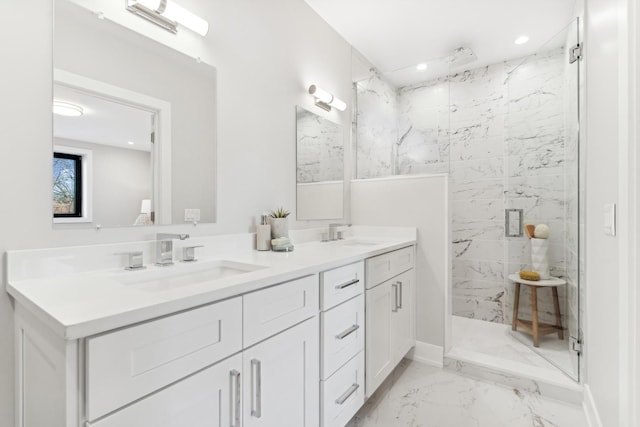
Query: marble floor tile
point(418, 395)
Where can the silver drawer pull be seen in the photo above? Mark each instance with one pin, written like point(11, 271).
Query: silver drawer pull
point(400, 304)
point(235, 398)
point(347, 284)
point(256, 395)
point(347, 332)
point(395, 294)
point(347, 394)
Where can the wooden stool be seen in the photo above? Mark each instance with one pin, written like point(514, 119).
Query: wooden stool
point(534, 327)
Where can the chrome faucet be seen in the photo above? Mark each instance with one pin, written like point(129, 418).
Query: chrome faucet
point(333, 228)
point(164, 247)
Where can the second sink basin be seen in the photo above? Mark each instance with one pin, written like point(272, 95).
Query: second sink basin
point(187, 274)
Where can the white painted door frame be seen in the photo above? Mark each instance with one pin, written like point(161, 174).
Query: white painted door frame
point(629, 211)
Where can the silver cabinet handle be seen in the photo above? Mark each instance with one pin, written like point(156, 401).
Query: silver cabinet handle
point(347, 284)
point(400, 286)
point(256, 393)
point(347, 332)
point(347, 394)
point(234, 391)
point(395, 294)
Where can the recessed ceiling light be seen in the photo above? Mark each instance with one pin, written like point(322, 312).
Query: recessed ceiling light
point(521, 40)
point(66, 109)
point(130, 142)
point(421, 67)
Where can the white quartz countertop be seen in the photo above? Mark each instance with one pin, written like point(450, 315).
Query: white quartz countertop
point(80, 304)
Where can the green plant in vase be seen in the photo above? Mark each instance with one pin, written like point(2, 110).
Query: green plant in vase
point(279, 223)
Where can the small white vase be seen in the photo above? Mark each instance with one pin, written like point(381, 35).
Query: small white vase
point(540, 257)
point(279, 227)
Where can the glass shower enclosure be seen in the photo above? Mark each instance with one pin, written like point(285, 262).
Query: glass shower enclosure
point(542, 181)
point(507, 134)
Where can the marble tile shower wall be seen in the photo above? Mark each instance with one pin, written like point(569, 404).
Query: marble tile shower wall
point(499, 132)
point(377, 127)
point(318, 144)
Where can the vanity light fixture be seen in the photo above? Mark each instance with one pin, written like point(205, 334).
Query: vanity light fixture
point(325, 100)
point(67, 109)
point(521, 40)
point(167, 14)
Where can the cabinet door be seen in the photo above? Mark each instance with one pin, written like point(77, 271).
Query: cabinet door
point(379, 356)
point(133, 362)
point(209, 398)
point(281, 379)
point(403, 336)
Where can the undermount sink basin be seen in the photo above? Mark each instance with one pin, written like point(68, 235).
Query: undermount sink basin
point(183, 274)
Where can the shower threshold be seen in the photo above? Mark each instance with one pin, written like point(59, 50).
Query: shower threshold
point(488, 351)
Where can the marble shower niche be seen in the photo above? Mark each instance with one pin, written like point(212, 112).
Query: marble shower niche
point(499, 131)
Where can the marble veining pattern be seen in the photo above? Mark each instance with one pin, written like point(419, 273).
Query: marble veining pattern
point(418, 395)
point(320, 148)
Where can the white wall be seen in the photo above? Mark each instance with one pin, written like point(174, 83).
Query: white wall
point(266, 55)
point(416, 201)
point(603, 78)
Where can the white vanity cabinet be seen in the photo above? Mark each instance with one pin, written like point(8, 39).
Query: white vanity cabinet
point(303, 344)
point(390, 316)
point(186, 369)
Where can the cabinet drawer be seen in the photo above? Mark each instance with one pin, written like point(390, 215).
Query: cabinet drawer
point(341, 283)
point(384, 267)
point(125, 365)
point(209, 398)
point(343, 393)
point(342, 334)
point(275, 309)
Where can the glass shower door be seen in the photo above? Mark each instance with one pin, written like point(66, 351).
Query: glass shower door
point(542, 152)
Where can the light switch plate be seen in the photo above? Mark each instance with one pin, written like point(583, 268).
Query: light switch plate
point(610, 219)
point(192, 215)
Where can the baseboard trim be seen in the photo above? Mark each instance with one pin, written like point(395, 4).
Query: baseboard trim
point(590, 409)
point(429, 354)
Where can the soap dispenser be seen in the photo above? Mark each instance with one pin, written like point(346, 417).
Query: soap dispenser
point(263, 234)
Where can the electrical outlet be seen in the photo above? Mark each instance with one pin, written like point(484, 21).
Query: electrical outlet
point(192, 215)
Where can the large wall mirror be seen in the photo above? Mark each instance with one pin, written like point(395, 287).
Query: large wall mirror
point(319, 167)
point(134, 133)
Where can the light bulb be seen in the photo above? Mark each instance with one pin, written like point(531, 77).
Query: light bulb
point(66, 109)
point(188, 19)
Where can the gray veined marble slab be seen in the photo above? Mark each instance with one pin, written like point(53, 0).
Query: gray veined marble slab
point(417, 395)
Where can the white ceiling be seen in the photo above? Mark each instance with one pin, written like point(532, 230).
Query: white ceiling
point(396, 34)
point(104, 121)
